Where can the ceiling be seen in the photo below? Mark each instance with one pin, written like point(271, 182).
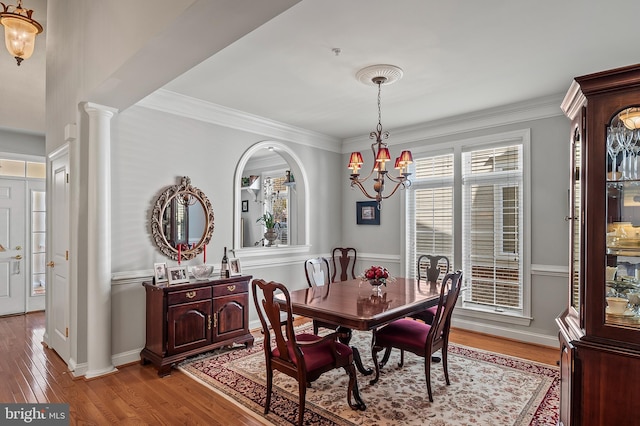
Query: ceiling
point(457, 57)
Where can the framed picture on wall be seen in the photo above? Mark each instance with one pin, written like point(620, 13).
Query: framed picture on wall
point(177, 274)
point(245, 206)
point(160, 273)
point(234, 266)
point(367, 213)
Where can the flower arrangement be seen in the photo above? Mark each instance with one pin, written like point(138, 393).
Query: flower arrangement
point(377, 275)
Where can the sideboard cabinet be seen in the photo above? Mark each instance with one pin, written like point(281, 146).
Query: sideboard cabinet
point(195, 317)
point(599, 331)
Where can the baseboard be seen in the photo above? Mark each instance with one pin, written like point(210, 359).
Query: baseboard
point(508, 333)
point(124, 358)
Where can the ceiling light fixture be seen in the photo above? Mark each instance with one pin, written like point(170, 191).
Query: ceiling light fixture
point(20, 30)
point(630, 117)
point(380, 75)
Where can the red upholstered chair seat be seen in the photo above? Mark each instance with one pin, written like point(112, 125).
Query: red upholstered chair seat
point(406, 334)
point(318, 356)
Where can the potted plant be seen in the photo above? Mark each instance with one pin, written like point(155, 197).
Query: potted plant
point(269, 222)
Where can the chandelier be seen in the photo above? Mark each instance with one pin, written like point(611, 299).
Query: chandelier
point(20, 30)
point(379, 75)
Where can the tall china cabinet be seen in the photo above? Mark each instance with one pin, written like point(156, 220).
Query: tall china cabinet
point(600, 329)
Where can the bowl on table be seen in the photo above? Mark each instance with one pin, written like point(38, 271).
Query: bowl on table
point(202, 272)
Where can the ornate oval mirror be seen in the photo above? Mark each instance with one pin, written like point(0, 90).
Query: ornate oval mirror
point(182, 218)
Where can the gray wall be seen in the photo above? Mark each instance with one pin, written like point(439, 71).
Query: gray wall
point(549, 230)
point(17, 142)
point(152, 150)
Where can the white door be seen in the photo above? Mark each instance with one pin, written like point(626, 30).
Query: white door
point(58, 309)
point(12, 242)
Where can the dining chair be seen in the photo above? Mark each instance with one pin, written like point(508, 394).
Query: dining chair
point(430, 270)
point(304, 357)
point(317, 273)
point(345, 257)
point(420, 338)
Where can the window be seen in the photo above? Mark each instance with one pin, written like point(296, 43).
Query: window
point(492, 219)
point(467, 202)
point(431, 208)
point(276, 201)
point(38, 235)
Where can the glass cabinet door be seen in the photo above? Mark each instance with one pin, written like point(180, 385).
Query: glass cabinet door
point(622, 268)
point(575, 212)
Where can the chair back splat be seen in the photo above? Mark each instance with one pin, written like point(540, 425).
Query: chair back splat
point(317, 272)
point(344, 257)
point(432, 268)
point(304, 357)
point(420, 338)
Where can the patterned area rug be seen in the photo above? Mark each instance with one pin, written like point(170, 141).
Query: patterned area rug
point(486, 389)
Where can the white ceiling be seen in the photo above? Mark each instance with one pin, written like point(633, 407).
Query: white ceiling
point(457, 56)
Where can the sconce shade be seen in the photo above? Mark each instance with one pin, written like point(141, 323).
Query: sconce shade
point(383, 155)
point(406, 158)
point(19, 31)
point(356, 158)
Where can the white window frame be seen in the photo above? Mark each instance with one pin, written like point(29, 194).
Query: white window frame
point(523, 136)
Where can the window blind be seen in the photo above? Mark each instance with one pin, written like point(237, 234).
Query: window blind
point(430, 210)
point(491, 229)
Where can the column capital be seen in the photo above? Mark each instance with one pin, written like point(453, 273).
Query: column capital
point(91, 107)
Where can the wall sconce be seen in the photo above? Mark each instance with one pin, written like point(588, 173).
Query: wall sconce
point(20, 30)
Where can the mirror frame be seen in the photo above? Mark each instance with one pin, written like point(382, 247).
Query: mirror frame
point(159, 208)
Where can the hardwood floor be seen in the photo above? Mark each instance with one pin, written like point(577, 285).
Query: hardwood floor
point(31, 373)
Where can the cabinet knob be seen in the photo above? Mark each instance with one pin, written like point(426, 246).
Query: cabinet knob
point(231, 287)
point(191, 294)
point(209, 322)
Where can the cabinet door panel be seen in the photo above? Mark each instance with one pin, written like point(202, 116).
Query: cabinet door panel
point(231, 316)
point(189, 326)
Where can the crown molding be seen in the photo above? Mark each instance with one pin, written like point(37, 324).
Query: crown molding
point(534, 109)
point(186, 106)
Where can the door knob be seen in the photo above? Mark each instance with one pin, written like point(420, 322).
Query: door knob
point(18, 247)
point(17, 257)
point(51, 264)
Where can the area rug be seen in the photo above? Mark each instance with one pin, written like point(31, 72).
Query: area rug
point(486, 389)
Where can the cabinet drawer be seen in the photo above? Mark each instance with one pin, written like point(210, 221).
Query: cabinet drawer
point(192, 295)
point(231, 288)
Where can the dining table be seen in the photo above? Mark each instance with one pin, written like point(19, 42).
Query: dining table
point(357, 305)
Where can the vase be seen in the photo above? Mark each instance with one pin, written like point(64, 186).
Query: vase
point(376, 286)
point(271, 235)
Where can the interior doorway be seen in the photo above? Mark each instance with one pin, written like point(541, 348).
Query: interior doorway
point(22, 235)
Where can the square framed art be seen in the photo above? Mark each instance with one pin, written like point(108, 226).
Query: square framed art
point(367, 213)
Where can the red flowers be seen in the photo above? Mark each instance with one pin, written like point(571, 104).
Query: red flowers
point(377, 273)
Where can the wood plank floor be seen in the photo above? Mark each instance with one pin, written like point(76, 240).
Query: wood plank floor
point(29, 372)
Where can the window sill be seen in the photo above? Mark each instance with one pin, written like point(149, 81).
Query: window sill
point(485, 314)
point(252, 252)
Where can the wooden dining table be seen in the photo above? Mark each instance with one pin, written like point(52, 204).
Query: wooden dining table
point(355, 305)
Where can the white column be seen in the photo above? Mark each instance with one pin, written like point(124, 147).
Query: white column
point(99, 241)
